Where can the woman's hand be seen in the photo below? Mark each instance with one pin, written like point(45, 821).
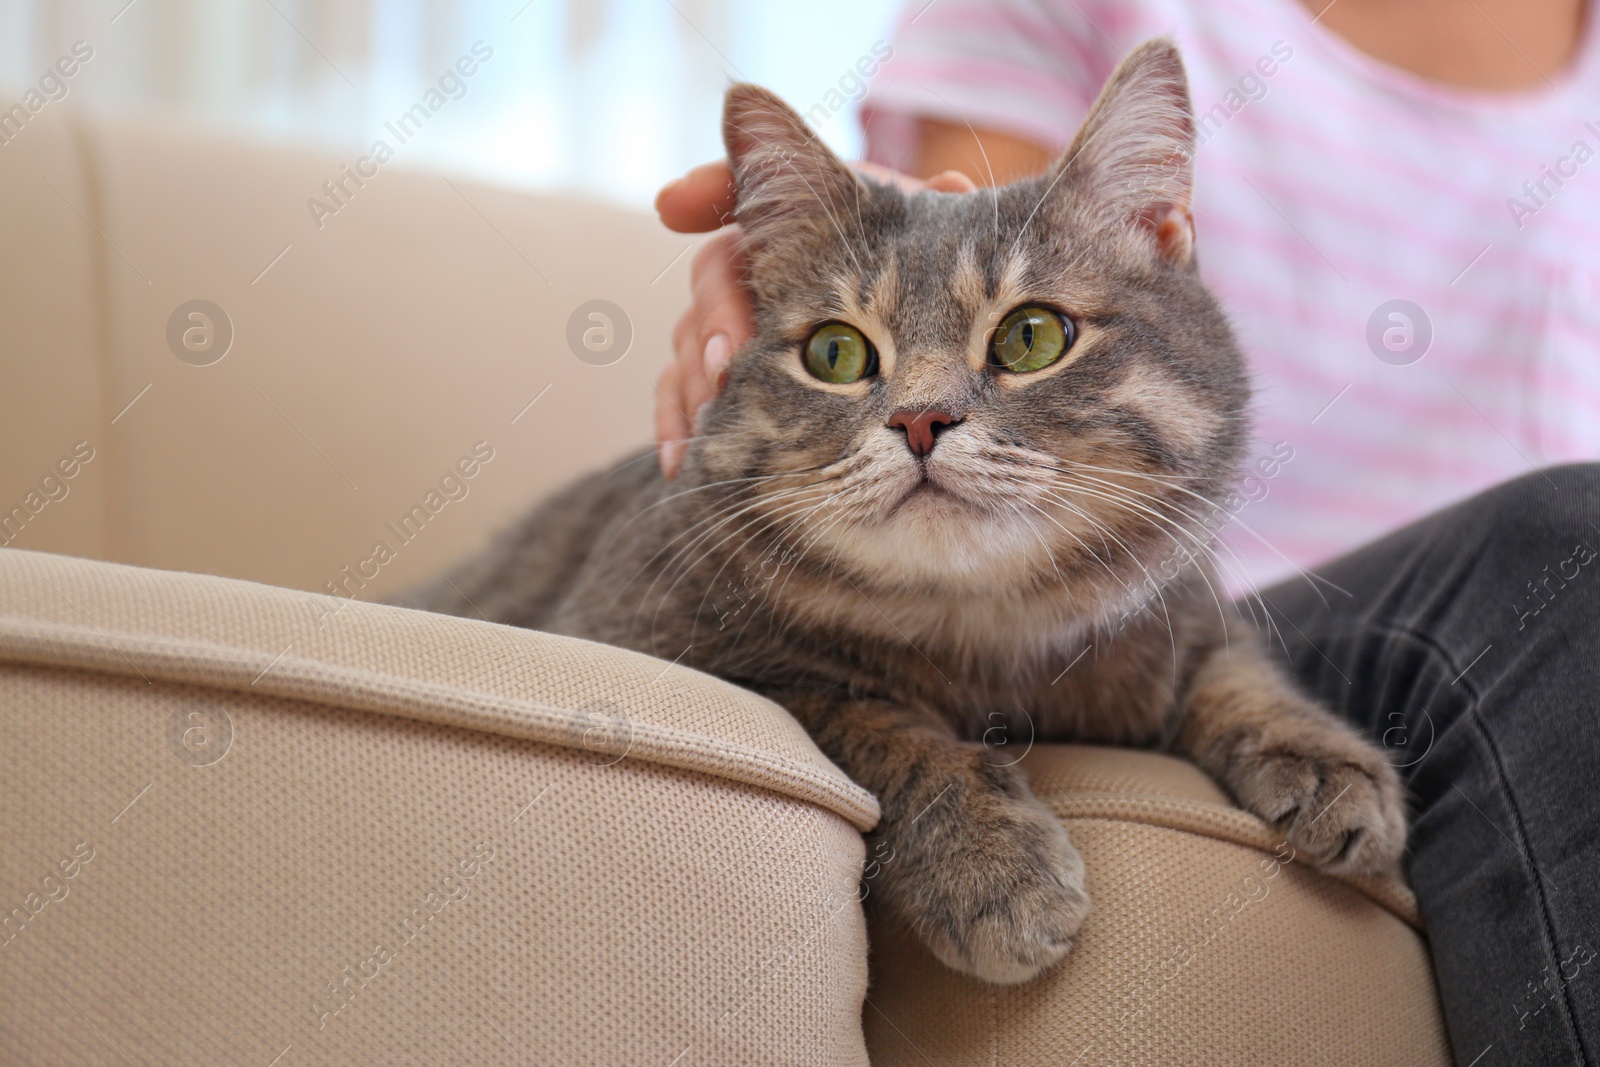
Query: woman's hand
point(718, 320)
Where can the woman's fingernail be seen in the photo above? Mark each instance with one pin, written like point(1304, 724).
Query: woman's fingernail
point(717, 354)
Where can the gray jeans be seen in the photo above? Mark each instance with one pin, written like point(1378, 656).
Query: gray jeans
point(1468, 645)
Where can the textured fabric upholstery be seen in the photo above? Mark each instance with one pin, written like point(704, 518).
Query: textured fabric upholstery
point(266, 797)
point(1203, 946)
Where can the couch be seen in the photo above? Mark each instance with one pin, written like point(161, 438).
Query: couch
point(251, 816)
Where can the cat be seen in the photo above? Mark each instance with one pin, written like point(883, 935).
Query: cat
point(962, 470)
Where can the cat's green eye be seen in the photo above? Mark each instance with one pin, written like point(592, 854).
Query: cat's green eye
point(1030, 338)
point(840, 354)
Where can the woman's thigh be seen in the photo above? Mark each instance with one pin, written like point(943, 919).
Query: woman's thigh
point(1468, 646)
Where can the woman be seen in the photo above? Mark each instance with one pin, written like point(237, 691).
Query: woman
point(1399, 204)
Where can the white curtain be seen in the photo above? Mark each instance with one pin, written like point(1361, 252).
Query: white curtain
point(608, 96)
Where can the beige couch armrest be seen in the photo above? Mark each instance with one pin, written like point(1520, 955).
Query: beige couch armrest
point(243, 820)
point(1207, 943)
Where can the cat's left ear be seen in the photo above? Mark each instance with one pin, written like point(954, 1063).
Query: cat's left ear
point(788, 183)
point(1133, 158)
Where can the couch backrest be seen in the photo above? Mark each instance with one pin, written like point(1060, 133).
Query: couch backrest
point(381, 333)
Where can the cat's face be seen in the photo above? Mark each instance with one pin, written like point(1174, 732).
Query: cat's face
point(976, 392)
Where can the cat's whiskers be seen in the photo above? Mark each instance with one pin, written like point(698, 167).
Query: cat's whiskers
point(792, 498)
point(1105, 531)
point(733, 502)
point(1299, 571)
point(1133, 500)
point(795, 525)
point(1251, 596)
point(1081, 543)
point(1174, 480)
point(808, 539)
point(777, 504)
point(751, 480)
point(742, 506)
point(1077, 471)
point(788, 516)
point(1044, 544)
point(1053, 495)
point(706, 526)
point(1164, 522)
point(1129, 496)
point(805, 545)
point(1252, 593)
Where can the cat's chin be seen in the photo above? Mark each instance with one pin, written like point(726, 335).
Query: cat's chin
point(933, 538)
point(930, 501)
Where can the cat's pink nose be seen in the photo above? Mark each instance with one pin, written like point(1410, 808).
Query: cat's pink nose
point(921, 427)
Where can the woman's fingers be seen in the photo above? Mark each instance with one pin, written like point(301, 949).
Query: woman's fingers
point(715, 325)
point(700, 201)
point(951, 181)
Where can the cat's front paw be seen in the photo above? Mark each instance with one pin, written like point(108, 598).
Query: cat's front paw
point(1334, 797)
point(1005, 899)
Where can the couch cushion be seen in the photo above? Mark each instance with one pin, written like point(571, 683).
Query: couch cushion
point(56, 342)
point(371, 350)
point(1207, 943)
point(237, 828)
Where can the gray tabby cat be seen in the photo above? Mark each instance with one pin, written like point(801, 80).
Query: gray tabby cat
point(974, 441)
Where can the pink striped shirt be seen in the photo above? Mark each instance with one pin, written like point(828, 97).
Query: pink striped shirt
point(1328, 185)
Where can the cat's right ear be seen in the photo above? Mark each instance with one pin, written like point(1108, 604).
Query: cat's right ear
point(1132, 162)
point(788, 183)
